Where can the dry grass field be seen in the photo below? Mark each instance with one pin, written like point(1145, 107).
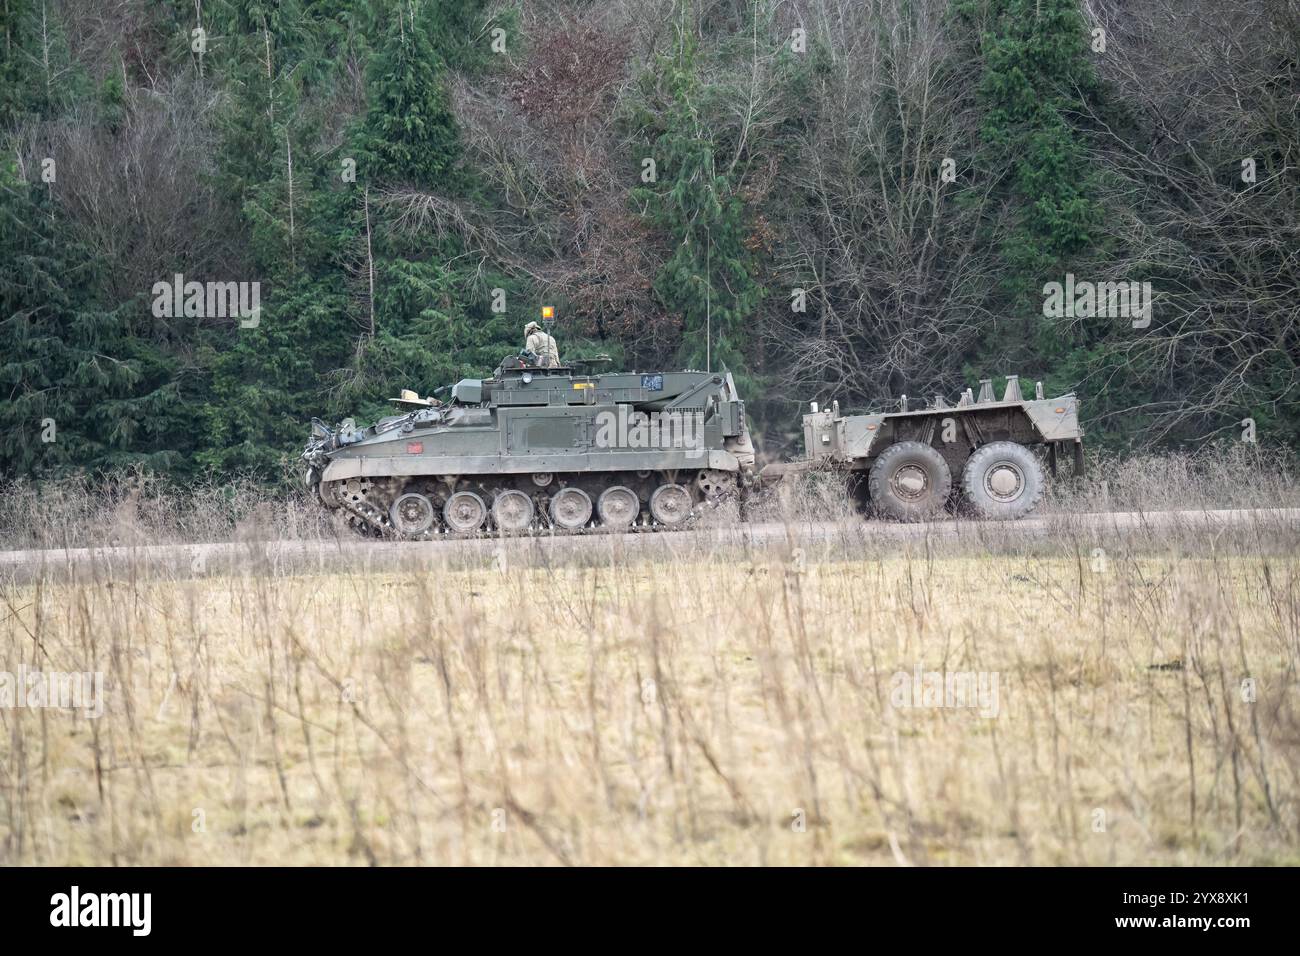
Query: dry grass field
point(1133, 704)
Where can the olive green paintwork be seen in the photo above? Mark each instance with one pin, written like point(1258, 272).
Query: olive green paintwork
point(533, 420)
point(855, 440)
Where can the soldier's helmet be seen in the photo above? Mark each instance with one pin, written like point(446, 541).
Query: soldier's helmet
point(530, 328)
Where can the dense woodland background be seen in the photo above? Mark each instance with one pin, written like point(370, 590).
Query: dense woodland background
point(780, 165)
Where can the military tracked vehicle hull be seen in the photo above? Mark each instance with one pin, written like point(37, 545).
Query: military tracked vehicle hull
point(911, 463)
point(559, 450)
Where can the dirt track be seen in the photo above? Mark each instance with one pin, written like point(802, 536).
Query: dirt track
point(742, 538)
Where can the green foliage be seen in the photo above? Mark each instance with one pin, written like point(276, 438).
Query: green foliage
point(356, 305)
point(1035, 72)
point(78, 390)
point(1036, 77)
point(709, 277)
point(409, 135)
point(38, 78)
point(432, 323)
point(325, 345)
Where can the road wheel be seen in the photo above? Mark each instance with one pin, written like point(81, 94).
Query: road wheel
point(412, 513)
point(618, 507)
point(570, 508)
point(512, 511)
point(671, 505)
point(715, 482)
point(909, 481)
point(1002, 480)
point(464, 512)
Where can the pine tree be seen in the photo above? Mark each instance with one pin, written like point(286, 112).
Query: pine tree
point(432, 317)
point(709, 277)
point(79, 389)
point(268, 378)
point(1036, 74)
point(410, 134)
point(38, 77)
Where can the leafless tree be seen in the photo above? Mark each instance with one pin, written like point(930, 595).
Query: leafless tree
point(140, 194)
point(1210, 168)
point(897, 284)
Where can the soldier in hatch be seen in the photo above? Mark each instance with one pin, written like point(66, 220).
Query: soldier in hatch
point(541, 344)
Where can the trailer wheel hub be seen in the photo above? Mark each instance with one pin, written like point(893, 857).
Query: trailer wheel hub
point(1004, 481)
point(910, 482)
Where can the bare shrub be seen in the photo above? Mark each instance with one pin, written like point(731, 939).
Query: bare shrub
point(138, 508)
point(1230, 475)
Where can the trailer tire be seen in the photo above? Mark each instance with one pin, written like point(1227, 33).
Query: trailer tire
point(909, 481)
point(1002, 481)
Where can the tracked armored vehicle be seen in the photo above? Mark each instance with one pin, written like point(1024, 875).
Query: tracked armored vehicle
point(565, 449)
point(904, 463)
